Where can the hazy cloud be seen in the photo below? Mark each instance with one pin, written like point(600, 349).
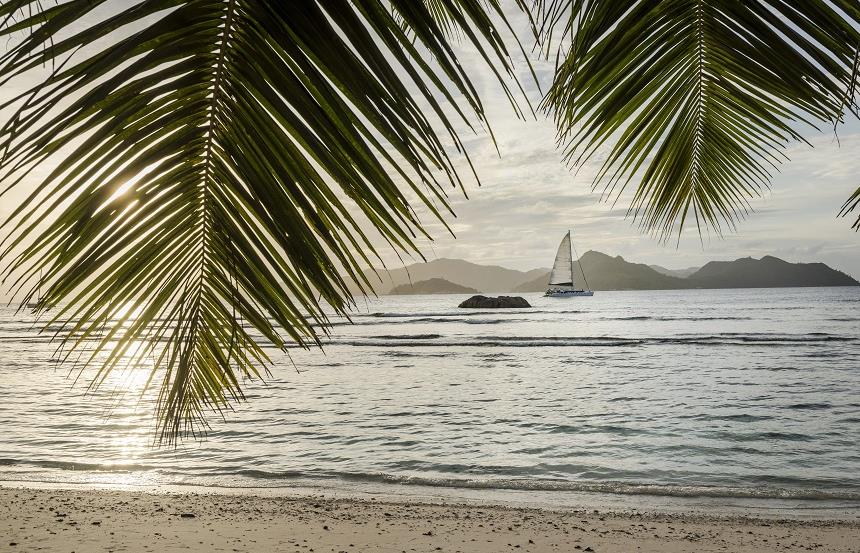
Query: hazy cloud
point(528, 197)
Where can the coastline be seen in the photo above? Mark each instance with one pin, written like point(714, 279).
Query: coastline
point(80, 519)
point(770, 504)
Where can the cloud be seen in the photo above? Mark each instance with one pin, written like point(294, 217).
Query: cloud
point(528, 198)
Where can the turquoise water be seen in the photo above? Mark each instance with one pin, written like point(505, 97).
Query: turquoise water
point(698, 393)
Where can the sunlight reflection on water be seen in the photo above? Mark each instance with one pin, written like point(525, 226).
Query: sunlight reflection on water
point(734, 392)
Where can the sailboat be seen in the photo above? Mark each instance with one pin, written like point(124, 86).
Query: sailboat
point(561, 284)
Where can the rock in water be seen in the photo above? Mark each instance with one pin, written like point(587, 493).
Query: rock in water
point(483, 302)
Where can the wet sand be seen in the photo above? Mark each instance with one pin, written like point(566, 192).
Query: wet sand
point(94, 520)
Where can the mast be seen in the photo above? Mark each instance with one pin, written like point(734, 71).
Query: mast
point(570, 242)
point(573, 249)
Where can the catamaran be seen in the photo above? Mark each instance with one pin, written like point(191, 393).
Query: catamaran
point(561, 283)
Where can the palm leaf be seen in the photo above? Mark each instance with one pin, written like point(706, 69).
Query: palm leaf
point(850, 205)
point(216, 165)
point(695, 99)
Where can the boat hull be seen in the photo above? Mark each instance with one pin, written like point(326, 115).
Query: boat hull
point(568, 293)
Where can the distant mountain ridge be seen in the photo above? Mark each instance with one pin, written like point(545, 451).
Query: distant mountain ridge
point(767, 272)
point(484, 278)
point(615, 273)
point(604, 272)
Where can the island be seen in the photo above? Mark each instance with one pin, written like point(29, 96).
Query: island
point(432, 286)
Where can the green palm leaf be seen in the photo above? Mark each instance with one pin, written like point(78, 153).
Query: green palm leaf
point(850, 205)
point(217, 163)
point(695, 99)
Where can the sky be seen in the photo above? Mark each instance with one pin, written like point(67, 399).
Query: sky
point(528, 198)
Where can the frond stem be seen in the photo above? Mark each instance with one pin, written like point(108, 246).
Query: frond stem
point(696, 167)
point(210, 134)
point(205, 212)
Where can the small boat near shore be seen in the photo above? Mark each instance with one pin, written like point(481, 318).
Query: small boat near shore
point(561, 281)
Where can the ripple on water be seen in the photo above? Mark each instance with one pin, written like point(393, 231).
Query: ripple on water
point(722, 393)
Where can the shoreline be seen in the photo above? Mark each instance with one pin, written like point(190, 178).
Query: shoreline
point(714, 506)
point(88, 519)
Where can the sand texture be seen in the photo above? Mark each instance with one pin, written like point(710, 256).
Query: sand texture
point(92, 520)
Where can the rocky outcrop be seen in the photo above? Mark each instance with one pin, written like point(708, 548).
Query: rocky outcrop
point(483, 302)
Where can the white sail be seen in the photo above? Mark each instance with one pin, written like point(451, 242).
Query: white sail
point(562, 269)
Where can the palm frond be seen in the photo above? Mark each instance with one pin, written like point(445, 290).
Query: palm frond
point(853, 203)
point(695, 99)
point(215, 165)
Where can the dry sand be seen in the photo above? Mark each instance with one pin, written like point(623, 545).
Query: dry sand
point(84, 521)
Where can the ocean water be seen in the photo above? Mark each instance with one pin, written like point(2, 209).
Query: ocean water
point(720, 394)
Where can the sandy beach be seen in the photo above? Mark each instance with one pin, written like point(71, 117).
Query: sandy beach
point(96, 520)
